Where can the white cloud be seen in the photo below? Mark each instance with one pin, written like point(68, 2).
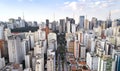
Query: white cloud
point(74, 5)
point(115, 11)
point(90, 4)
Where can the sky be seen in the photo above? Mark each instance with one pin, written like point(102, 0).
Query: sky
point(39, 10)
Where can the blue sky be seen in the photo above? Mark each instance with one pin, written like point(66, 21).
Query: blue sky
point(40, 10)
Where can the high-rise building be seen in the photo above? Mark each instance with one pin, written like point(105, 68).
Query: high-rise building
point(116, 60)
point(82, 52)
point(76, 49)
point(47, 22)
point(105, 63)
point(73, 28)
point(81, 22)
point(94, 22)
point(2, 62)
point(86, 24)
point(27, 61)
point(62, 25)
point(39, 65)
point(68, 27)
point(92, 61)
point(15, 49)
point(51, 62)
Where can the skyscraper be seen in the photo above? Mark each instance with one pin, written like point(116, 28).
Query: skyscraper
point(81, 22)
point(62, 25)
point(15, 49)
point(94, 22)
point(47, 22)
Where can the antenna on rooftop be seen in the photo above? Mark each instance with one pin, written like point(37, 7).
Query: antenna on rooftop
point(109, 15)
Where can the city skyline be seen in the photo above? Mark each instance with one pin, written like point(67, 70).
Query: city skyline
point(56, 9)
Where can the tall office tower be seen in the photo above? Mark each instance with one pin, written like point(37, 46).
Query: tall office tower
point(15, 49)
point(81, 22)
point(116, 60)
point(91, 26)
point(105, 63)
point(76, 49)
point(80, 36)
point(30, 37)
point(86, 24)
point(68, 27)
point(54, 25)
point(85, 39)
point(62, 24)
point(82, 52)
point(71, 21)
point(47, 22)
point(92, 61)
point(92, 47)
point(108, 48)
point(73, 29)
point(109, 21)
point(94, 22)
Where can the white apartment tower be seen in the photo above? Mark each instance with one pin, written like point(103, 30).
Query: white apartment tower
point(15, 49)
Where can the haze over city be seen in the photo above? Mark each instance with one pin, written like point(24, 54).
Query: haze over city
point(40, 10)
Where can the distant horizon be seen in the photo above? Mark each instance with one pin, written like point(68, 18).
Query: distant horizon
point(39, 10)
point(44, 20)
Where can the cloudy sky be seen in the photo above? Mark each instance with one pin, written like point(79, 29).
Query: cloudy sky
point(40, 10)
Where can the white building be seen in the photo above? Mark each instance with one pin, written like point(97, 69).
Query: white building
point(92, 61)
point(105, 63)
point(15, 49)
point(51, 62)
point(82, 52)
point(80, 36)
point(73, 28)
point(7, 33)
point(38, 50)
point(39, 65)
point(76, 49)
point(68, 27)
point(52, 41)
point(2, 62)
point(30, 37)
point(92, 45)
point(27, 61)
